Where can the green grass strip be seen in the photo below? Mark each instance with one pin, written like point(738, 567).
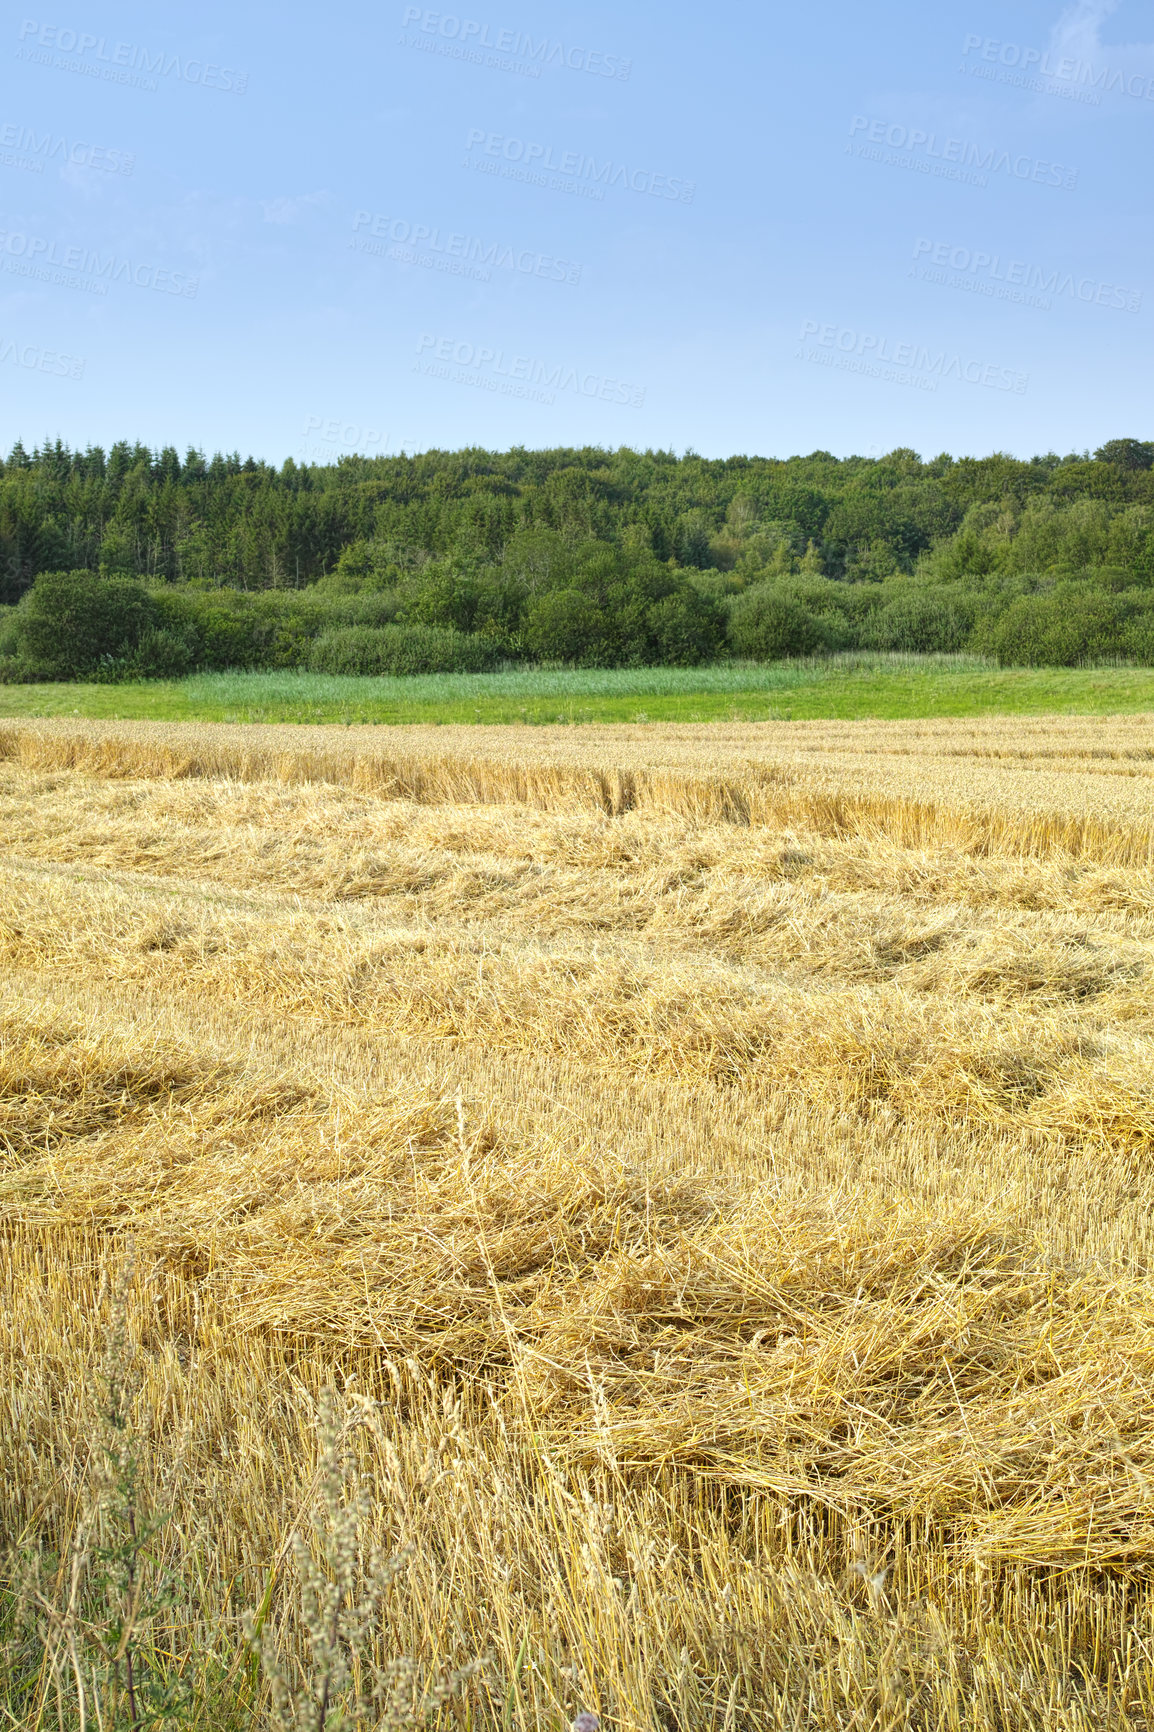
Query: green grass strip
point(846, 687)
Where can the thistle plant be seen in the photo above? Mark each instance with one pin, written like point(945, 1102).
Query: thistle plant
point(342, 1597)
point(90, 1615)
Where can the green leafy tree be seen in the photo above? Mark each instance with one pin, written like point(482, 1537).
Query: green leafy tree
point(538, 559)
point(1127, 454)
point(694, 533)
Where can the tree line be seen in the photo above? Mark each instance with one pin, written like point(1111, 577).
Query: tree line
point(131, 561)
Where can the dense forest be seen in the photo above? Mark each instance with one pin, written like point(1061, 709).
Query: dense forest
point(132, 562)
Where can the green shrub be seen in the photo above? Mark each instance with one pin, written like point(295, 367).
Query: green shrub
point(1138, 641)
point(686, 628)
point(238, 629)
point(1060, 628)
point(718, 586)
point(566, 625)
point(268, 629)
point(920, 621)
point(378, 607)
point(1110, 577)
point(401, 649)
point(230, 638)
point(367, 566)
point(477, 599)
point(635, 605)
point(73, 624)
point(767, 623)
point(163, 654)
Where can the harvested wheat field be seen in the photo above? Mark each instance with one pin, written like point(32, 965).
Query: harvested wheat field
point(714, 1168)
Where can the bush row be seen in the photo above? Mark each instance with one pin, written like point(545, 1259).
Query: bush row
point(1022, 625)
point(84, 625)
point(78, 625)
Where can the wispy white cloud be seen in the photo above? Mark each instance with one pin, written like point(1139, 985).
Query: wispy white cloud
point(289, 211)
point(1077, 35)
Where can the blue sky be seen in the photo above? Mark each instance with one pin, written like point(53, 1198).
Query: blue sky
point(759, 228)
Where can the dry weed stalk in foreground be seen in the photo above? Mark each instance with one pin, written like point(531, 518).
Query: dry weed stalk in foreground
point(717, 1185)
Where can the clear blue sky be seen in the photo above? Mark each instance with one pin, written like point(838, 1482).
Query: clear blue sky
point(294, 230)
